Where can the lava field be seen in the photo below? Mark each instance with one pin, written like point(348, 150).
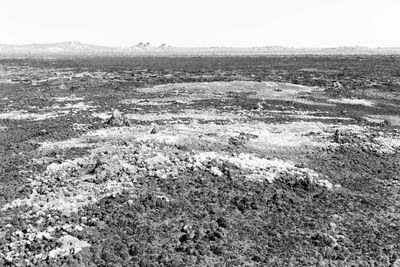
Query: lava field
point(200, 161)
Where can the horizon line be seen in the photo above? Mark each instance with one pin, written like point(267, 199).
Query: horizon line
point(211, 46)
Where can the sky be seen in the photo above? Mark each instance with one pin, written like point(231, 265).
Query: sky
point(190, 23)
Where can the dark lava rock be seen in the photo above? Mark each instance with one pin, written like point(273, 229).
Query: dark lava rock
point(241, 139)
point(118, 120)
point(76, 88)
point(154, 130)
point(385, 123)
point(223, 222)
point(336, 136)
point(337, 85)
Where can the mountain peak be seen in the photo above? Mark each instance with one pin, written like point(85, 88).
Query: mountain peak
point(141, 44)
point(164, 45)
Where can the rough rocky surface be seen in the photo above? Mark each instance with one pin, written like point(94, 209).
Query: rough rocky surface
point(287, 161)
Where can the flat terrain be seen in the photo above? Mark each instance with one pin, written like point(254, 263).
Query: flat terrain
point(196, 161)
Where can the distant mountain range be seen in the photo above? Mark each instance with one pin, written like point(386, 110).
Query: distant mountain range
point(78, 48)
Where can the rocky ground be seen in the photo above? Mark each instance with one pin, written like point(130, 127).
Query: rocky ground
point(261, 161)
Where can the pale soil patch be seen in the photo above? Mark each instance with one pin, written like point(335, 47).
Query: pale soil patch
point(80, 127)
point(68, 245)
point(209, 114)
point(320, 70)
point(373, 120)
point(76, 107)
point(311, 117)
point(67, 144)
point(259, 169)
point(103, 116)
point(321, 102)
point(5, 81)
point(394, 120)
point(156, 101)
point(304, 114)
point(65, 187)
point(207, 90)
point(24, 115)
point(70, 98)
point(388, 143)
point(293, 134)
point(353, 101)
point(374, 93)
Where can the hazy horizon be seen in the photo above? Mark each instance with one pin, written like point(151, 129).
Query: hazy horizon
point(179, 23)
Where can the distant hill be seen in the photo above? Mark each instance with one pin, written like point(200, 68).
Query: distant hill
point(78, 48)
point(62, 47)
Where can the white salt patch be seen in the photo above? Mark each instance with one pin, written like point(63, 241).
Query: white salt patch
point(352, 101)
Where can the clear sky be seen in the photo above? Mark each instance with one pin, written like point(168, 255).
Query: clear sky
point(241, 23)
